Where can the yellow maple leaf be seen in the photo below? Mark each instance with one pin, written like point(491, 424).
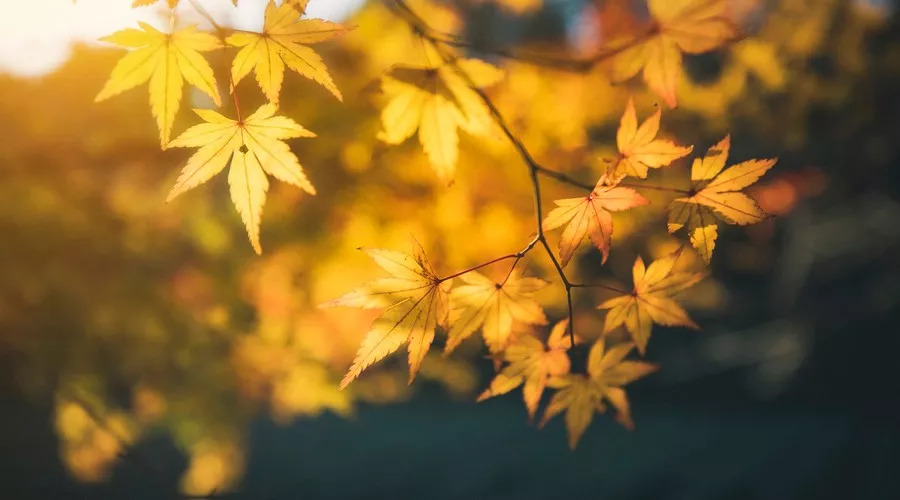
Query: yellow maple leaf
point(589, 216)
point(493, 307)
point(166, 60)
point(582, 395)
point(533, 364)
point(651, 300)
point(436, 101)
point(255, 147)
point(679, 26)
point(639, 149)
point(415, 300)
point(716, 195)
point(282, 43)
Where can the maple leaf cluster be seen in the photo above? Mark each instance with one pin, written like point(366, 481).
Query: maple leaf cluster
point(251, 146)
point(438, 99)
point(435, 101)
point(415, 301)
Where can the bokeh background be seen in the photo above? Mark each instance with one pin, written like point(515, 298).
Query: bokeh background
point(145, 350)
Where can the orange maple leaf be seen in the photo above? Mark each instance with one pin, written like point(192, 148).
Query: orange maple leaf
point(532, 364)
point(582, 395)
point(651, 300)
point(716, 194)
point(639, 149)
point(590, 216)
point(679, 26)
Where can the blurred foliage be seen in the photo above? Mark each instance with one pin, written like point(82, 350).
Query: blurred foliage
point(161, 317)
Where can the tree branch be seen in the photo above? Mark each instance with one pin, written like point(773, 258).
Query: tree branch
point(421, 28)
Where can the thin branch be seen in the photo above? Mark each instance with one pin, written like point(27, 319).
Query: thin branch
point(222, 32)
point(655, 188)
point(565, 179)
point(581, 65)
point(420, 27)
point(206, 15)
point(597, 285)
point(479, 266)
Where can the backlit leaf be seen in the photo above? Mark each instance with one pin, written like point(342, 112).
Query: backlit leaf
point(716, 194)
point(436, 101)
point(493, 307)
point(651, 300)
point(282, 44)
point(415, 301)
point(166, 60)
point(532, 363)
point(582, 395)
point(254, 148)
point(589, 216)
point(678, 26)
point(639, 149)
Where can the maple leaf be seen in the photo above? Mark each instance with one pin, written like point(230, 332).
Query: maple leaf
point(254, 147)
point(281, 44)
point(493, 307)
point(582, 395)
point(415, 300)
point(639, 149)
point(679, 26)
point(166, 60)
point(532, 364)
point(716, 195)
point(590, 216)
point(436, 101)
point(651, 300)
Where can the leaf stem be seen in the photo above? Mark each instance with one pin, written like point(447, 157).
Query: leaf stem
point(479, 266)
point(654, 188)
point(221, 31)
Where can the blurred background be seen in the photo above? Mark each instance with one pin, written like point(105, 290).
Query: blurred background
point(146, 350)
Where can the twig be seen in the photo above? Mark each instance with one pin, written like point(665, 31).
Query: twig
point(221, 31)
point(479, 266)
point(421, 28)
point(583, 65)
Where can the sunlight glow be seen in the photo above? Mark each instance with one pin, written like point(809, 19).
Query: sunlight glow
point(37, 36)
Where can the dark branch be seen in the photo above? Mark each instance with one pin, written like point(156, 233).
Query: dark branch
point(420, 27)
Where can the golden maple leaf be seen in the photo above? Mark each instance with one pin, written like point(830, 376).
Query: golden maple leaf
point(436, 101)
point(415, 300)
point(651, 300)
point(493, 307)
point(589, 216)
point(639, 149)
point(166, 60)
point(582, 395)
point(716, 194)
point(255, 147)
point(689, 26)
point(281, 44)
point(532, 364)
